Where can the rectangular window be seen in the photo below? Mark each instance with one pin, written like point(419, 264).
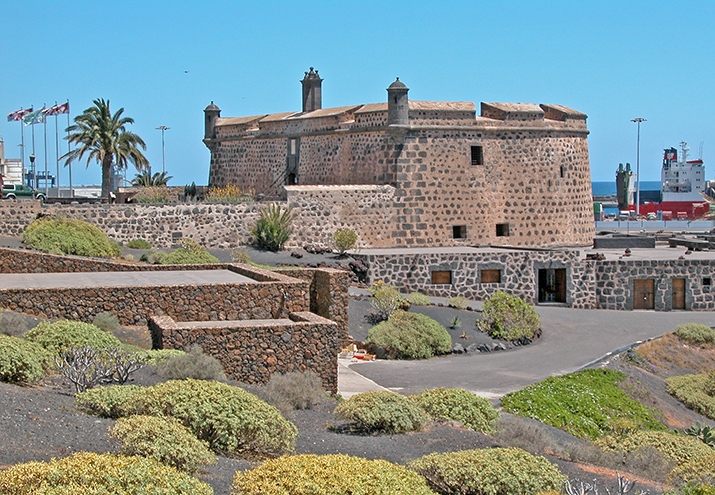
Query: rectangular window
point(459, 231)
point(707, 281)
point(442, 277)
point(502, 230)
point(490, 277)
point(477, 155)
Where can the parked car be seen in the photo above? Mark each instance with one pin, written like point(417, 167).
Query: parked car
point(14, 191)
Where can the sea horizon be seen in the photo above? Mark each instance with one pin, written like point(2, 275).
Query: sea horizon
point(604, 188)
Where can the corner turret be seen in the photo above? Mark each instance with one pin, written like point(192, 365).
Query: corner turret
point(398, 105)
point(211, 112)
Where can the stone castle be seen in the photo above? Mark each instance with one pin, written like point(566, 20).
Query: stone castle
point(418, 173)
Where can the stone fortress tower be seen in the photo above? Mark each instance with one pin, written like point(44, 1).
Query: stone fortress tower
point(516, 175)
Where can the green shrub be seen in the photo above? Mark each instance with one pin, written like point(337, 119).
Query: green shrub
point(190, 253)
point(418, 299)
point(294, 390)
point(61, 334)
point(453, 403)
point(488, 472)
point(155, 194)
point(508, 317)
point(163, 439)
point(139, 244)
point(273, 227)
point(194, 364)
point(693, 488)
point(411, 336)
point(458, 302)
point(157, 356)
point(700, 470)
point(692, 390)
point(385, 299)
point(230, 193)
point(230, 419)
point(678, 448)
point(240, 257)
point(383, 411)
point(695, 333)
point(22, 361)
point(59, 235)
point(99, 474)
point(106, 321)
point(587, 404)
point(109, 402)
point(344, 240)
point(334, 474)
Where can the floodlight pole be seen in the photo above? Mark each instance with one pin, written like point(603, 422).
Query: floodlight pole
point(163, 128)
point(638, 167)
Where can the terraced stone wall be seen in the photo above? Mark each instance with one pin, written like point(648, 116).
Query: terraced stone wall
point(251, 352)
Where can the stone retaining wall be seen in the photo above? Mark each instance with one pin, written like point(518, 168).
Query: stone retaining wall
point(252, 352)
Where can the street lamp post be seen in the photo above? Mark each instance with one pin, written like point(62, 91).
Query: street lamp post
point(163, 128)
point(32, 167)
point(638, 166)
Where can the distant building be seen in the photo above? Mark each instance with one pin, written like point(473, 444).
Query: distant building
point(10, 168)
point(518, 174)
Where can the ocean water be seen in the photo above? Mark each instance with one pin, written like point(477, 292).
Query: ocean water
point(609, 187)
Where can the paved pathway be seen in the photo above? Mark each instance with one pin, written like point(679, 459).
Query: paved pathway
point(572, 339)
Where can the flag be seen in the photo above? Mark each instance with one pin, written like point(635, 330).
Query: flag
point(64, 108)
point(36, 117)
point(18, 115)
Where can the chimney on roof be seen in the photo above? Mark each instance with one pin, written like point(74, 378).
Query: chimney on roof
point(312, 93)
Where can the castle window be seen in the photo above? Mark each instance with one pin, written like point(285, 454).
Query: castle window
point(563, 171)
point(477, 155)
point(459, 231)
point(291, 172)
point(442, 277)
point(502, 230)
point(490, 277)
point(707, 281)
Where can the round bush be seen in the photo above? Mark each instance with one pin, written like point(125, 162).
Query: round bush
point(488, 472)
point(411, 336)
point(334, 474)
point(418, 299)
point(163, 439)
point(509, 318)
point(59, 235)
point(344, 240)
point(678, 448)
point(230, 419)
point(56, 336)
point(183, 256)
point(383, 411)
point(22, 361)
point(98, 474)
point(458, 302)
point(453, 403)
point(695, 333)
point(193, 364)
point(139, 244)
point(108, 402)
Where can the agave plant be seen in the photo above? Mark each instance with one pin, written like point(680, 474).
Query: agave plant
point(273, 228)
point(703, 433)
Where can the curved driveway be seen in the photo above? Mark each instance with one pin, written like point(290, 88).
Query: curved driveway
point(572, 339)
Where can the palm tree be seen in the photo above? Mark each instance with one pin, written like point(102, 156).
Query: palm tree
point(103, 137)
point(145, 179)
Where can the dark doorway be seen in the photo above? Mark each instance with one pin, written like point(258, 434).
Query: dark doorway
point(552, 285)
point(644, 294)
point(678, 293)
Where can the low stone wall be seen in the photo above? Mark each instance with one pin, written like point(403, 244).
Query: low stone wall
point(412, 271)
point(251, 352)
point(615, 286)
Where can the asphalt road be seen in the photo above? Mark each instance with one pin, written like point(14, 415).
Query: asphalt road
point(572, 339)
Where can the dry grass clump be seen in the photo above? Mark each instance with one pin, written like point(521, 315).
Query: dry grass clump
point(294, 390)
point(193, 364)
point(669, 352)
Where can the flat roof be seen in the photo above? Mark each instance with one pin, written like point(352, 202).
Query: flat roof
point(120, 279)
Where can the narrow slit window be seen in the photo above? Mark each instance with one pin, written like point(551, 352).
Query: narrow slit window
point(477, 155)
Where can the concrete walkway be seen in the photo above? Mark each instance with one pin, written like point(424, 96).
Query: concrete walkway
point(572, 339)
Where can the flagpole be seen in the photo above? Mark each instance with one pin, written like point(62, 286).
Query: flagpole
point(44, 125)
point(34, 175)
point(68, 146)
point(22, 140)
point(57, 151)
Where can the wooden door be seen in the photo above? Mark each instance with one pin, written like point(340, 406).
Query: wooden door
point(560, 284)
point(678, 293)
point(644, 294)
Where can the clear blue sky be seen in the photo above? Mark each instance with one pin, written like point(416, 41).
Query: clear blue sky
point(611, 60)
